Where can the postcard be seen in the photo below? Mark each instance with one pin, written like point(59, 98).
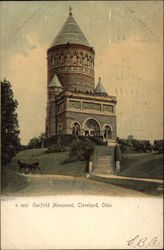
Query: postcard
point(81, 124)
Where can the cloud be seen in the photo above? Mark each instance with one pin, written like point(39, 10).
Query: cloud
point(132, 69)
point(28, 78)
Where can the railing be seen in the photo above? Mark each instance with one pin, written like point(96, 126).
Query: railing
point(92, 161)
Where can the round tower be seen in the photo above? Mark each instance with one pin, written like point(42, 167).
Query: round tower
point(71, 58)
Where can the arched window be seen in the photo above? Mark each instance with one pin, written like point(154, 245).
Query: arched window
point(107, 132)
point(81, 59)
point(74, 59)
point(62, 59)
point(52, 59)
point(68, 58)
point(56, 59)
point(75, 129)
point(91, 62)
point(60, 128)
point(86, 60)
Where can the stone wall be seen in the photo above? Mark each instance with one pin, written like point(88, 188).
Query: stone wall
point(51, 118)
point(74, 66)
point(81, 117)
point(61, 119)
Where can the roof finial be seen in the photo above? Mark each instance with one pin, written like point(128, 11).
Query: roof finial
point(99, 79)
point(70, 11)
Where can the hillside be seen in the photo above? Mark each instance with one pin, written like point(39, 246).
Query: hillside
point(69, 177)
point(51, 163)
point(142, 165)
point(59, 178)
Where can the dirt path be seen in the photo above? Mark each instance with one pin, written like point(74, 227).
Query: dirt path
point(68, 185)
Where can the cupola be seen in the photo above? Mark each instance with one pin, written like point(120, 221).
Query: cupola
point(100, 90)
point(70, 33)
point(71, 58)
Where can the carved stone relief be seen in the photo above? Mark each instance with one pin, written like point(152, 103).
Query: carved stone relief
point(74, 104)
point(107, 108)
point(71, 57)
point(92, 106)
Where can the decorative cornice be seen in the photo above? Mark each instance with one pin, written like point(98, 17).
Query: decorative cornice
point(80, 96)
point(69, 46)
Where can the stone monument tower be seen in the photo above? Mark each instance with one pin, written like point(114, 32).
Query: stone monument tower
point(74, 105)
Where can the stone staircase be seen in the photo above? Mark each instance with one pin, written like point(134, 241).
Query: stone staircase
point(104, 160)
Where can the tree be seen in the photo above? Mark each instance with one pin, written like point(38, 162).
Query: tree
point(130, 139)
point(42, 138)
point(10, 141)
point(159, 145)
point(33, 143)
point(81, 150)
point(37, 142)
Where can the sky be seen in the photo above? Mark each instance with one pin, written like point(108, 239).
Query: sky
point(127, 37)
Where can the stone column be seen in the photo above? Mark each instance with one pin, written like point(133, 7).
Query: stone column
point(117, 158)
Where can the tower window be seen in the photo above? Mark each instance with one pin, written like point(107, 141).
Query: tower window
point(60, 128)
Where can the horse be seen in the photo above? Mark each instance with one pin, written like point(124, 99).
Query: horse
point(34, 167)
point(23, 167)
point(26, 168)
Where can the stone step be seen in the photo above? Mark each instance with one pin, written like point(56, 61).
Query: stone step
point(104, 167)
point(107, 157)
point(99, 164)
point(109, 163)
point(104, 172)
point(104, 153)
point(104, 157)
point(103, 150)
point(104, 160)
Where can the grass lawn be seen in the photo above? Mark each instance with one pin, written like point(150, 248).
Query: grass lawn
point(52, 182)
point(146, 165)
point(11, 181)
point(52, 163)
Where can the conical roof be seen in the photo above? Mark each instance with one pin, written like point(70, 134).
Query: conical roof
point(55, 82)
point(70, 33)
point(100, 88)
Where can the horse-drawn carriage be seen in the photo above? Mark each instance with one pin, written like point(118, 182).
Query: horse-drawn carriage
point(26, 168)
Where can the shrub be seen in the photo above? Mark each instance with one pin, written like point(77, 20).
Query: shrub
point(81, 149)
point(64, 139)
point(158, 145)
point(132, 145)
point(55, 148)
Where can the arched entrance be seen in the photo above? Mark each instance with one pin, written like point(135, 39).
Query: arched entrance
point(107, 132)
point(75, 128)
point(91, 127)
